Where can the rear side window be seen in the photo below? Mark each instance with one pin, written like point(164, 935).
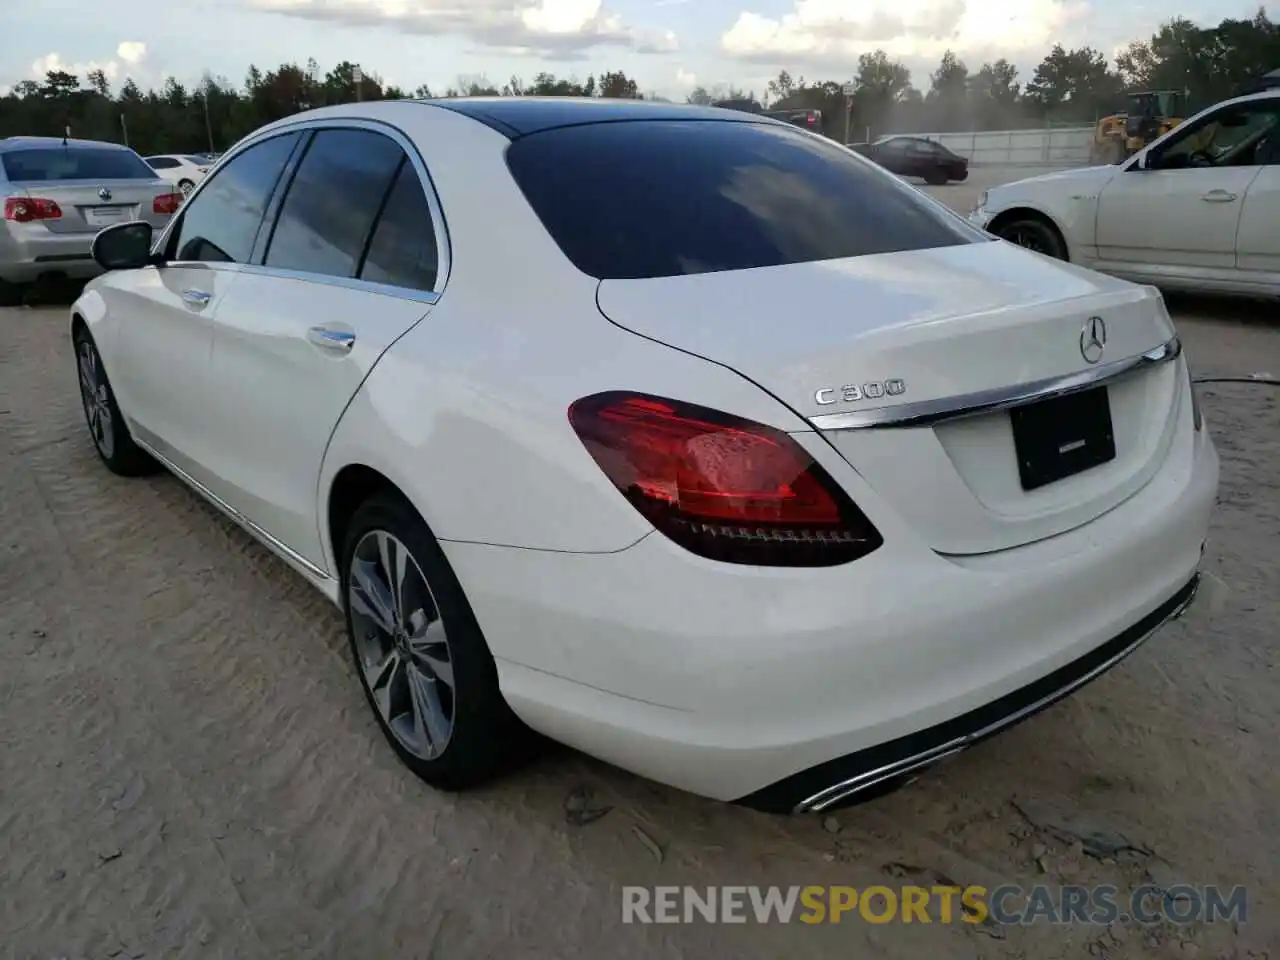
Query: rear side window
point(665, 198)
point(221, 223)
point(162, 163)
point(331, 205)
point(403, 249)
point(73, 163)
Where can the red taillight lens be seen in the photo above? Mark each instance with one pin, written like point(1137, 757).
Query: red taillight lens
point(166, 203)
point(720, 486)
point(27, 209)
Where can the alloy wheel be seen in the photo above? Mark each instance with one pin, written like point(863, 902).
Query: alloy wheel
point(401, 644)
point(1031, 239)
point(95, 395)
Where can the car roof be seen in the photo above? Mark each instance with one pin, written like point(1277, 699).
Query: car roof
point(27, 143)
point(519, 116)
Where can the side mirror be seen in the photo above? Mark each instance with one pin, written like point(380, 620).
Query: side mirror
point(123, 246)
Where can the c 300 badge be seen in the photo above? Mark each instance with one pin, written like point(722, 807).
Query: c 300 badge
point(854, 392)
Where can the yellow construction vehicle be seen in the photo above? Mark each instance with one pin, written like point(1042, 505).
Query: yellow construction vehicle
point(1151, 114)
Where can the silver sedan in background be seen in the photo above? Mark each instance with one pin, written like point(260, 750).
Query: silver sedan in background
point(57, 195)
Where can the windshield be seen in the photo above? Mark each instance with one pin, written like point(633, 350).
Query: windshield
point(666, 198)
point(45, 164)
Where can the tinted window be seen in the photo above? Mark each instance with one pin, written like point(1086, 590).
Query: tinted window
point(403, 249)
point(1234, 137)
point(162, 163)
point(74, 163)
point(665, 198)
point(331, 205)
point(222, 221)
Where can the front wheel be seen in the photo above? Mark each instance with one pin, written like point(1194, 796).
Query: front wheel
point(419, 652)
point(935, 178)
point(106, 426)
point(1034, 235)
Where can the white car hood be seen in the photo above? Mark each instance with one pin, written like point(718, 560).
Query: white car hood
point(1061, 178)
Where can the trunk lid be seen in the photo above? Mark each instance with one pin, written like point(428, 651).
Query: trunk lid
point(930, 326)
point(86, 210)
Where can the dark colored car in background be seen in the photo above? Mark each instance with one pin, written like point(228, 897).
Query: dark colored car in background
point(916, 157)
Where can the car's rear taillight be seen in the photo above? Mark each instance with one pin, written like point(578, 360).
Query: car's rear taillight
point(27, 209)
point(166, 203)
point(722, 487)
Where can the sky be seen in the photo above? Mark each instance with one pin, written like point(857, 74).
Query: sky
point(668, 46)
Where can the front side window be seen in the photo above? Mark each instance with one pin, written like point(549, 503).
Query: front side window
point(222, 222)
point(336, 194)
point(651, 198)
point(1235, 136)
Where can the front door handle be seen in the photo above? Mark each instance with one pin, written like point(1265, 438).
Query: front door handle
point(1218, 196)
point(196, 298)
point(338, 341)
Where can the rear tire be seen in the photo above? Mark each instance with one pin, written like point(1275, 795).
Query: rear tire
point(185, 187)
point(423, 663)
point(1033, 234)
point(12, 294)
point(106, 426)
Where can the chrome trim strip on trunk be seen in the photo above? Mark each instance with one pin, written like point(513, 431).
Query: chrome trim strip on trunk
point(929, 412)
point(841, 791)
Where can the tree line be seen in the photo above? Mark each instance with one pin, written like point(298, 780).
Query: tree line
point(1070, 86)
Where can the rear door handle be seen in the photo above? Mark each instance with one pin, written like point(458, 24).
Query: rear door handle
point(196, 298)
point(1218, 196)
point(338, 341)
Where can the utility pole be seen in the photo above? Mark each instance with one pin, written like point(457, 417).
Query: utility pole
point(124, 130)
point(208, 127)
point(849, 90)
point(357, 77)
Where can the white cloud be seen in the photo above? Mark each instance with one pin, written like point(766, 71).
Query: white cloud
point(686, 79)
point(53, 63)
point(132, 51)
point(837, 31)
point(562, 29)
point(129, 54)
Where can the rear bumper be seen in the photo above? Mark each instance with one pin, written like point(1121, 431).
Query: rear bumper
point(820, 787)
point(775, 686)
point(31, 251)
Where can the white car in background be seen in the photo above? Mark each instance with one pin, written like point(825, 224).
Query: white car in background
point(750, 469)
point(183, 170)
point(1198, 209)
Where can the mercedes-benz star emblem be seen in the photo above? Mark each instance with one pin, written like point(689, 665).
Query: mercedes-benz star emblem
point(104, 193)
point(1093, 339)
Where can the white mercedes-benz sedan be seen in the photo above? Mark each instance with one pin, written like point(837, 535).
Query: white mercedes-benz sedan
point(1198, 209)
point(680, 435)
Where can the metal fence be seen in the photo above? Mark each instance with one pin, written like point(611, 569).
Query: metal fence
point(1053, 146)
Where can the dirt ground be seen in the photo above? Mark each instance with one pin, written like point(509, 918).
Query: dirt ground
point(188, 767)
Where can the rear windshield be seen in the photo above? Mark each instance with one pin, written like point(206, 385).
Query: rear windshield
point(73, 163)
point(639, 199)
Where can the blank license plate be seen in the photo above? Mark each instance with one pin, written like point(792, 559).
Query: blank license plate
point(1058, 438)
point(102, 216)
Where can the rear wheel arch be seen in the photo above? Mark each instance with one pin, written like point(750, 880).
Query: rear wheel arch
point(1016, 214)
point(351, 486)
